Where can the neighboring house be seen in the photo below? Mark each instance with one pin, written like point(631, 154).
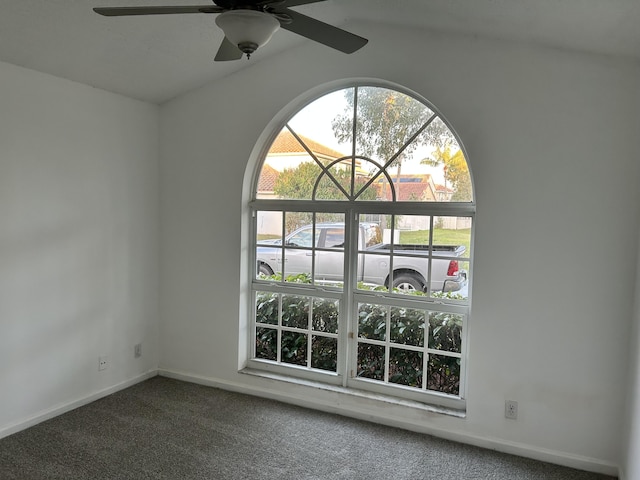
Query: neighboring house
point(267, 181)
point(411, 187)
point(287, 152)
point(443, 193)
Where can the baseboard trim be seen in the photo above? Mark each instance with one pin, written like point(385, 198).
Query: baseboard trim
point(67, 407)
point(497, 444)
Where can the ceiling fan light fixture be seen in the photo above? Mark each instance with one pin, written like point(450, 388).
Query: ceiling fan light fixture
point(248, 29)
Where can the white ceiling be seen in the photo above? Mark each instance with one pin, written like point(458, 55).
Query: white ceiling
point(156, 58)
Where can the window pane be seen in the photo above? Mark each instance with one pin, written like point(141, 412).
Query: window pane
point(443, 374)
point(324, 353)
point(453, 231)
point(329, 259)
point(329, 269)
point(410, 252)
point(304, 237)
point(464, 271)
point(371, 361)
point(294, 348)
point(268, 244)
point(295, 311)
point(407, 326)
point(298, 254)
point(333, 237)
point(386, 121)
point(268, 228)
point(267, 308)
point(267, 181)
point(374, 260)
point(445, 331)
point(413, 230)
point(452, 243)
point(296, 220)
point(292, 165)
point(325, 315)
point(335, 184)
point(372, 321)
point(330, 217)
point(446, 156)
point(315, 122)
point(405, 367)
point(369, 181)
point(266, 343)
point(297, 267)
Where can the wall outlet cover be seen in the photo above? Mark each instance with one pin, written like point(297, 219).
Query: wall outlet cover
point(103, 361)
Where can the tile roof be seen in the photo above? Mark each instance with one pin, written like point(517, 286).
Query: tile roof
point(408, 191)
point(285, 142)
point(267, 180)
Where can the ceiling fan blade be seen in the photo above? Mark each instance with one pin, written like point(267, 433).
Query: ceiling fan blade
point(228, 51)
point(321, 32)
point(288, 3)
point(122, 11)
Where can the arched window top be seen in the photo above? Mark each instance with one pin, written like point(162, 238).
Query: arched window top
point(366, 143)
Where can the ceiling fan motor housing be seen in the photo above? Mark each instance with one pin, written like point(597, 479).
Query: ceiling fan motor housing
point(248, 29)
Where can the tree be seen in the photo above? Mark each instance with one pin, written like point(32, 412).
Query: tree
point(385, 121)
point(456, 170)
point(298, 183)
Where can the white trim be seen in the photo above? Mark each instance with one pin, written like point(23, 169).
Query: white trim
point(385, 417)
point(67, 407)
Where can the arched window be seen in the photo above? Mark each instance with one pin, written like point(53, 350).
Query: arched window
point(363, 220)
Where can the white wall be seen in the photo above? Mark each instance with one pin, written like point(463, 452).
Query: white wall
point(78, 243)
point(551, 139)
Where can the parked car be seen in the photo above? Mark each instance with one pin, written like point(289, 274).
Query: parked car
point(375, 259)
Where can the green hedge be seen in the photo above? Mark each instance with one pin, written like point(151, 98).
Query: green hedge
point(406, 329)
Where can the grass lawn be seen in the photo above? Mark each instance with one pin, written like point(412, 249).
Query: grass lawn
point(266, 236)
point(441, 236)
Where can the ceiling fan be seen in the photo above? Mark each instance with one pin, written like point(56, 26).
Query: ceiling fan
point(249, 24)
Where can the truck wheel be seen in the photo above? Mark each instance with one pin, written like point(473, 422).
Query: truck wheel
point(264, 269)
point(406, 282)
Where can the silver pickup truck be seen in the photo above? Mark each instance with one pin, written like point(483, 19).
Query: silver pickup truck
point(406, 264)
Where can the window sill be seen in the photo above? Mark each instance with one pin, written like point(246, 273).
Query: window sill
point(352, 392)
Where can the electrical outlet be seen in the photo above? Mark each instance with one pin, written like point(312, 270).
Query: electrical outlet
point(511, 409)
point(102, 362)
point(137, 350)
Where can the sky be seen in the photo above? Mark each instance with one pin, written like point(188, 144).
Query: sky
point(314, 121)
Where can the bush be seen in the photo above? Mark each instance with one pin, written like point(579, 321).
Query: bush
point(406, 328)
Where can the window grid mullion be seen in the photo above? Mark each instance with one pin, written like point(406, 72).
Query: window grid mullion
point(279, 342)
point(310, 332)
point(387, 346)
point(350, 319)
point(430, 259)
point(313, 249)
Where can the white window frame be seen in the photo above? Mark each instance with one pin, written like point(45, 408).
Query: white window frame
point(349, 297)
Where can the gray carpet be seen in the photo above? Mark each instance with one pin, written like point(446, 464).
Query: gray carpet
point(167, 429)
